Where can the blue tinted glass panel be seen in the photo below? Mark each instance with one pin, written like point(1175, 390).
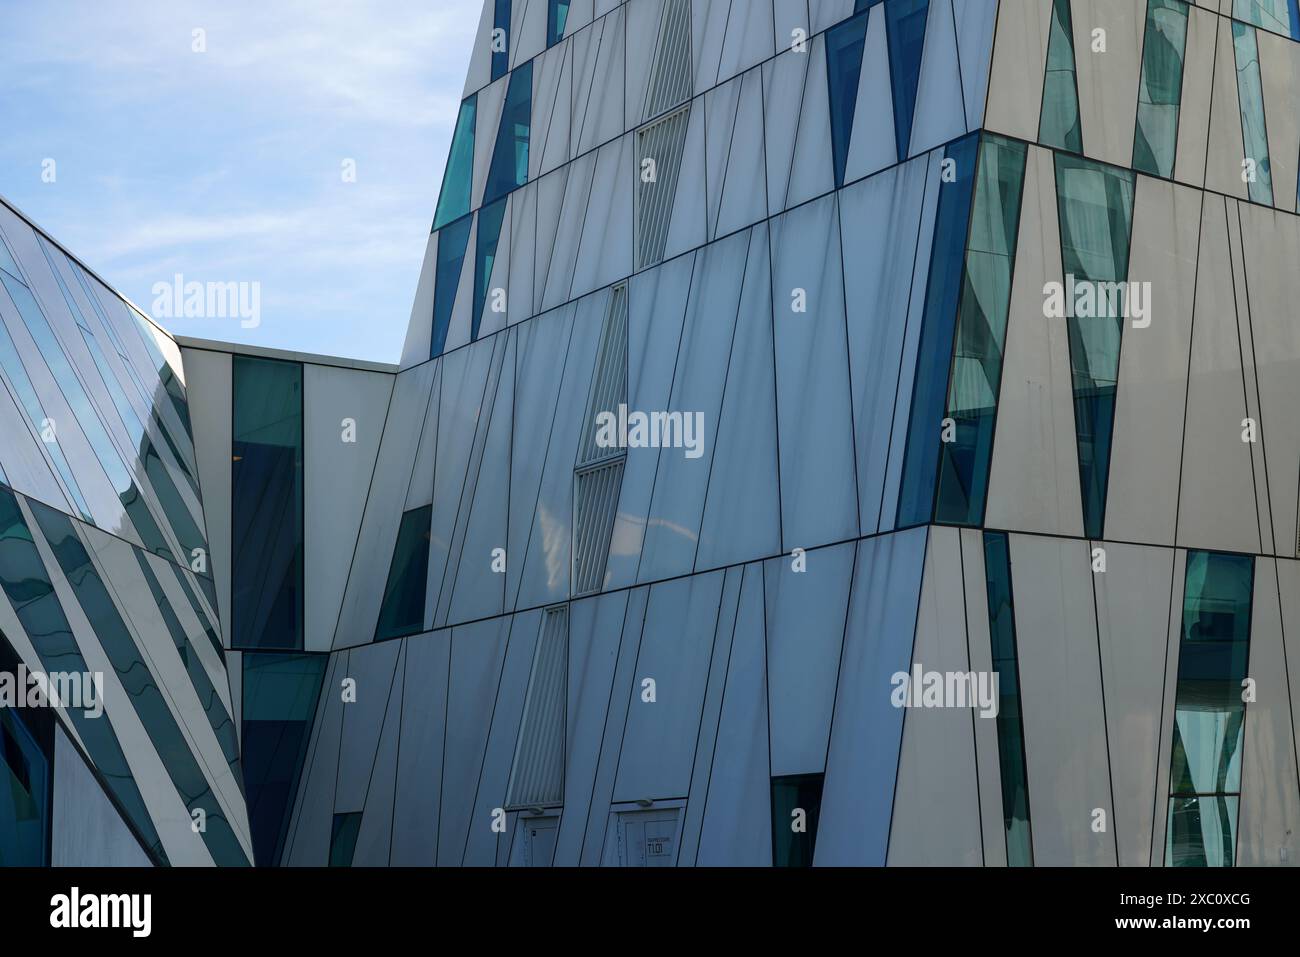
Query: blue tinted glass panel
point(402, 611)
point(1011, 725)
point(279, 704)
point(452, 242)
point(905, 28)
point(485, 254)
point(457, 179)
point(266, 504)
point(500, 41)
point(934, 354)
point(844, 45)
point(509, 167)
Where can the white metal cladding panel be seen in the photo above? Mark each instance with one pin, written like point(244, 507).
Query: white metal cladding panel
point(609, 383)
point(662, 141)
point(537, 777)
point(597, 499)
point(670, 79)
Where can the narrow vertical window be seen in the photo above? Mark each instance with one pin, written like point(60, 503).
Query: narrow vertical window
point(1095, 204)
point(981, 333)
point(1209, 714)
point(402, 610)
point(934, 353)
point(280, 693)
point(1011, 725)
point(796, 807)
point(905, 29)
point(844, 45)
point(1161, 88)
point(26, 777)
point(1276, 16)
point(500, 38)
point(557, 13)
point(509, 167)
point(485, 254)
point(1254, 130)
point(343, 838)
point(453, 200)
point(266, 505)
point(452, 243)
point(1059, 123)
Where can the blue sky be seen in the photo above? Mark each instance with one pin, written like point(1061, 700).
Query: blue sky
point(226, 165)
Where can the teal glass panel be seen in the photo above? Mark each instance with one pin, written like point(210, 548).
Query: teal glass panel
point(343, 839)
point(458, 178)
point(796, 807)
point(934, 353)
point(452, 243)
point(1010, 720)
point(266, 504)
point(1160, 89)
point(1254, 131)
point(26, 583)
point(87, 417)
point(1276, 16)
point(1095, 204)
point(1201, 831)
point(844, 46)
point(557, 13)
point(1059, 123)
point(509, 167)
point(280, 694)
point(1209, 713)
point(139, 683)
point(981, 332)
point(402, 611)
point(485, 254)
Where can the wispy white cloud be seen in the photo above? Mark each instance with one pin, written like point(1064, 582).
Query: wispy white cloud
point(226, 164)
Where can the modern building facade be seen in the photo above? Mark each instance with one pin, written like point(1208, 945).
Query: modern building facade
point(827, 432)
